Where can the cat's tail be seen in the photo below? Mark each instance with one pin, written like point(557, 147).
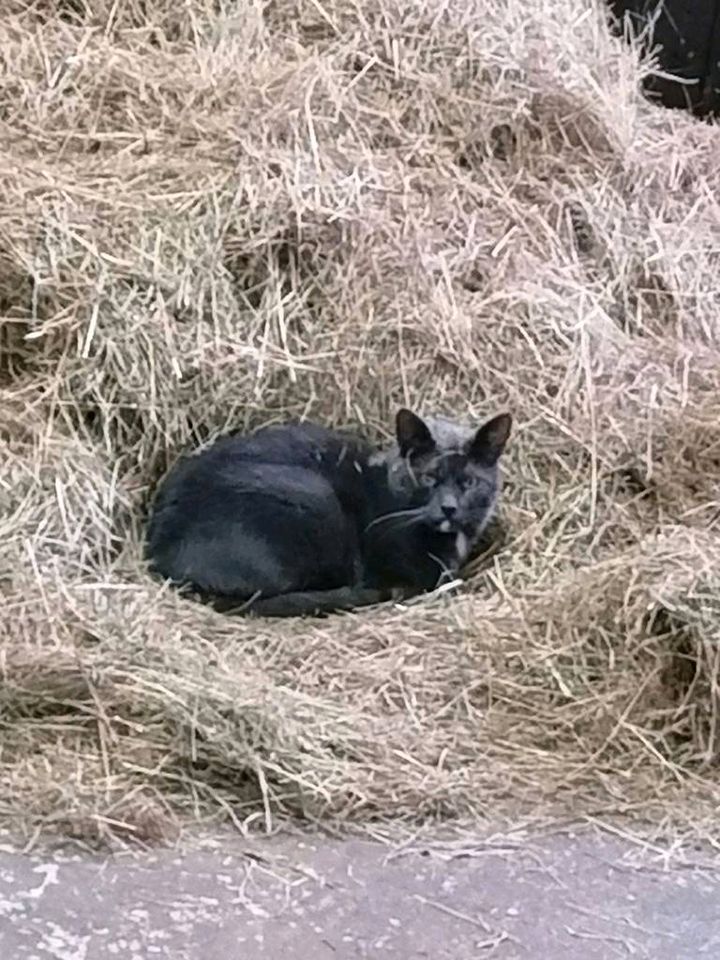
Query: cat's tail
point(307, 603)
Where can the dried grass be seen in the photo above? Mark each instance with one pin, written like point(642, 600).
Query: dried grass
point(217, 215)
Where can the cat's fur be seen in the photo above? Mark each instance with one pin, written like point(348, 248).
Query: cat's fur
point(298, 519)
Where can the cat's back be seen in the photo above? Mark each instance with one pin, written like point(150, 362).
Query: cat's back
point(305, 445)
point(290, 444)
point(267, 511)
point(262, 458)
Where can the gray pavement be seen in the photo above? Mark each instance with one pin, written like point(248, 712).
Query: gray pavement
point(309, 897)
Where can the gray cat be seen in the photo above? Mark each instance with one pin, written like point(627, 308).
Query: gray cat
point(302, 520)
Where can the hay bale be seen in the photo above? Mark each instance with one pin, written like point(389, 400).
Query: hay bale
point(215, 219)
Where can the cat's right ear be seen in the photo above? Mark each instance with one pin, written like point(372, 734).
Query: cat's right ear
point(413, 436)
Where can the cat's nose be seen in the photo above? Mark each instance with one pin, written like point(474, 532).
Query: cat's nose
point(449, 509)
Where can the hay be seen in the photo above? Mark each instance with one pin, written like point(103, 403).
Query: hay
point(218, 215)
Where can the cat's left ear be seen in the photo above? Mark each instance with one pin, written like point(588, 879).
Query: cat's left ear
point(489, 442)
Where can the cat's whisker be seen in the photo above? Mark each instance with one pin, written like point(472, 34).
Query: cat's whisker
point(397, 514)
point(380, 534)
point(391, 530)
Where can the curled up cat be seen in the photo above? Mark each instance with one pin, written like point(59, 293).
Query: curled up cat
point(301, 520)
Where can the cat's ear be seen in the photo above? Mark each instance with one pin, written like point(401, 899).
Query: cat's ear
point(489, 442)
point(413, 436)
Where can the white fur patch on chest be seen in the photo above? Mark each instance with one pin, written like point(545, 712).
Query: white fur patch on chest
point(462, 545)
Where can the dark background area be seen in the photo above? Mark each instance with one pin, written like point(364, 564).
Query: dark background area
point(686, 35)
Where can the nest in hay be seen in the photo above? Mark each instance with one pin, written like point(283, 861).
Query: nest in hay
point(216, 216)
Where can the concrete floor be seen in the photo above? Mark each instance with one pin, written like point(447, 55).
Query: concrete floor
point(312, 898)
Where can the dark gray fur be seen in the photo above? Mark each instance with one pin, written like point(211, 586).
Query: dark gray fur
point(298, 519)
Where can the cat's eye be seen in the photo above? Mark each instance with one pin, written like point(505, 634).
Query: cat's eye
point(467, 483)
point(427, 480)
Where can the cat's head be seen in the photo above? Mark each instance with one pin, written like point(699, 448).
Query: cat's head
point(448, 471)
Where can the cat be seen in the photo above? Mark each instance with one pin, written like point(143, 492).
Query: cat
point(300, 520)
